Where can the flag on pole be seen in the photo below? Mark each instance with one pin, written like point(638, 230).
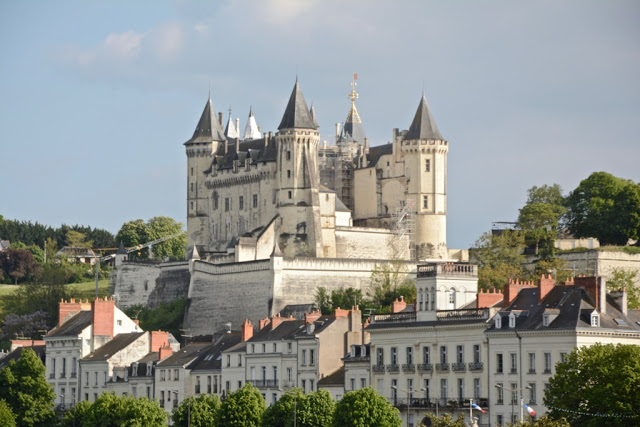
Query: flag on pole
point(530, 410)
point(474, 406)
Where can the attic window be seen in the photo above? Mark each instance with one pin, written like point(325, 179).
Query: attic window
point(545, 320)
point(498, 321)
point(620, 322)
point(595, 319)
point(512, 320)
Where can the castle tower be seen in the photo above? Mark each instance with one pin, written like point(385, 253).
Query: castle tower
point(425, 156)
point(352, 131)
point(200, 149)
point(297, 140)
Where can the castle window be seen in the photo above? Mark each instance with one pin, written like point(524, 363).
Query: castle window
point(288, 155)
point(425, 202)
point(192, 186)
point(241, 203)
point(215, 200)
point(191, 205)
point(226, 204)
point(290, 194)
point(191, 171)
point(427, 165)
point(288, 173)
point(255, 200)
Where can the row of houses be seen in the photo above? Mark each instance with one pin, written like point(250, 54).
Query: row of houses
point(453, 346)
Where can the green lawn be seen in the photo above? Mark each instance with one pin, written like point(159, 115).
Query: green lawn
point(84, 289)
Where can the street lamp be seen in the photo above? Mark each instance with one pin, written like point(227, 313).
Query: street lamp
point(409, 393)
point(521, 399)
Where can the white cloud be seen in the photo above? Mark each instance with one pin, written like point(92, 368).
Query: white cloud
point(124, 45)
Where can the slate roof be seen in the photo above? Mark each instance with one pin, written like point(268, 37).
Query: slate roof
point(333, 379)
point(186, 354)
point(340, 207)
point(208, 128)
point(572, 305)
point(284, 331)
point(297, 114)
point(256, 149)
point(211, 358)
point(319, 325)
point(74, 326)
point(118, 343)
point(361, 352)
point(297, 310)
point(17, 353)
point(353, 129)
point(423, 125)
point(378, 151)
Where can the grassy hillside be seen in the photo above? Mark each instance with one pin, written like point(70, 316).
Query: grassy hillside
point(81, 290)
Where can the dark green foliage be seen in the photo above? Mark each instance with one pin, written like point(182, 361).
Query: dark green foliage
point(110, 410)
point(499, 258)
point(33, 297)
point(601, 379)
point(167, 317)
point(30, 233)
point(75, 417)
point(540, 219)
point(605, 207)
point(366, 408)
point(138, 232)
point(7, 418)
point(24, 388)
point(17, 264)
point(312, 410)
point(243, 407)
point(446, 420)
point(198, 411)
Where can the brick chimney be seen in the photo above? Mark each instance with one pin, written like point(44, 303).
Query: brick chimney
point(159, 339)
point(513, 288)
point(165, 352)
point(312, 317)
point(103, 312)
point(398, 305)
point(262, 323)
point(595, 287)
point(71, 308)
point(276, 320)
point(546, 284)
point(488, 298)
point(341, 312)
point(247, 330)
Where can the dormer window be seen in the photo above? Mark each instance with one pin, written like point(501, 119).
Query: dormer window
point(498, 321)
point(545, 320)
point(595, 319)
point(512, 320)
point(353, 351)
point(134, 369)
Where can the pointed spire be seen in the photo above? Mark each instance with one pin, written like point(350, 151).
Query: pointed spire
point(353, 129)
point(312, 111)
point(423, 126)
point(208, 128)
point(121, 250)
point(251, 130)
point(193, 253)
point(230, 131)
point(296, 115)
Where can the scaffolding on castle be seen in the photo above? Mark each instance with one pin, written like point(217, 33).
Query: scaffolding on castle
point(336, 172)
point(404, 224)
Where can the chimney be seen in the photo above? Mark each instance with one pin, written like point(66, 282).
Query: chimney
point(159, 339)
point(366, 145)
point(398, 305)
point(512, 289)
point(165, 352)
point(71, 308)
point(312, 317)
point(620, 299)
point(486, 299)
point(341, 313)
point(247, 330)
point(220, 120)
point(262, 323)
point(276, 320)
point(103, 316)
point(595, 287)
point(337, 130)
point(546, 284)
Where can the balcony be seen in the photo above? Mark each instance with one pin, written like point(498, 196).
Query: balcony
point(459, 269)
point(475, 366)
point(425, 367)
point(408, 367)
point(442, 367)
point(393, 317)
point(377, 368)
point(52, 376)
point(432, 403)
point(463, 314)
point(63, 375)
point(73, 375)
point(459, 367)
point(264, 383)
point(393, 367)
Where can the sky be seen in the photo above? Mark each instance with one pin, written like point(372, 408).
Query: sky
point(97, 98)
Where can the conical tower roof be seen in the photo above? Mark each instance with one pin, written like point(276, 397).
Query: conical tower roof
point(353, 129)
point(312, 111)
point(423, 126)
point(208, 128)
point(297, 115)
point(230, 131)
point(251, 130)
point(121, 250)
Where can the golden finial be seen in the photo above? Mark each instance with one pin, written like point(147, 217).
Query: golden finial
point(354, 95)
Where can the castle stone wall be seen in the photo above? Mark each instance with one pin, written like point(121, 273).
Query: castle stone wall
point(151, 284)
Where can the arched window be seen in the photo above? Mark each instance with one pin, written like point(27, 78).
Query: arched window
point(426, 304)
point(452, 299)
point(433, 298)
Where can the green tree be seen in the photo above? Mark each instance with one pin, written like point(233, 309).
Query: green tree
point(7, 418)
point(605, 207)
point(76, 239)
point(244, 407)
point(280, 414)
point(623, 278)
point(110, 410)
point(365, 407)
point(316, 410)
point(557, 267)
point(167, 317)
point(391, 281)
point(36, 251)
point(198, 411)
point(540, 218)
point(30, 298)
point(133, 233)
point(161, 226)
point(446, 420)
point(24, 388)
point(544, 421)
point(18, 263)
point(75, 417)
point(499, 257)
point(50, 249)
point(601, 379)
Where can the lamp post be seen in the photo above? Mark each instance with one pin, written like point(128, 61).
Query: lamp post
point(409, 393)
point(512, 390)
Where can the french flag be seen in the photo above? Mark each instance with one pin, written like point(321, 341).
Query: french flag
point(530, 410)
point(474, 406)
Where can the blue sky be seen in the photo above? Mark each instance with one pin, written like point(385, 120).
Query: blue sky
point(97, 98)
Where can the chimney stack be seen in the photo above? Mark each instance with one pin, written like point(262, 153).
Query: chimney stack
point(489, 298)
point(103, 314)
point(398, 305)
point(159, 339)
point(312, 317)
point(546, 284)
point(165, 352)
point(595, 286)
point(247, 330)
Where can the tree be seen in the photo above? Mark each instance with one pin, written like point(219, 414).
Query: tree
point(540, 218)
point(365, 407)
point(557, 267)
point(621, 278)
point(110, 410)
point(499, 257)
point(390, 281)
point(30, 298)
point(198, 411)
point(24, 388)
point(446, 420)
point(243, 407)
point(26, 325)
point(36, 251)
point(18, 263)
point(281, 413)
point(605, 207)
point(544, 421)
point(596, 380)
point(161, 226)
point(76, 239)
point(134, 233)
point(75, 417)
point(50, 249)
point(316, 410)
point(7, 418)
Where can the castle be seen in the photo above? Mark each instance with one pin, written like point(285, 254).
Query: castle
point(272, 217)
